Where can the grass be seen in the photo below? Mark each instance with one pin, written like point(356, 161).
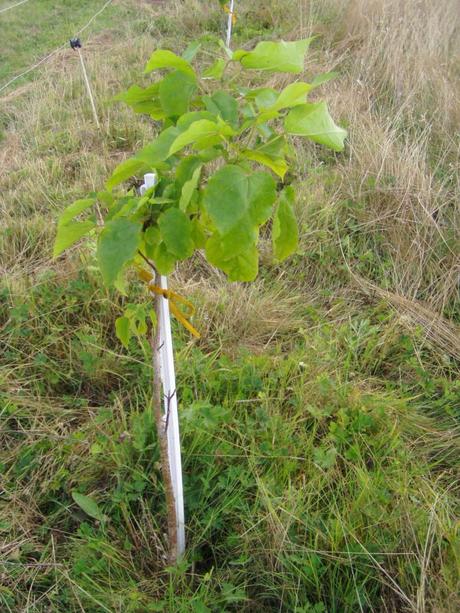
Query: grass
point(319, 411)
point(35, 31)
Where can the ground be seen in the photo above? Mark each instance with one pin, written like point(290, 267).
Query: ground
point(320, 408)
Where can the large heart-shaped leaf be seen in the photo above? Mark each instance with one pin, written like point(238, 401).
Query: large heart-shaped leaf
point(278, 165)
point(231, 194)
point(285, 234)
point(176, 90)
point(158, 150)
point(242, 266)
point(176, 231)
point(162, 58)
point(143, 100)
point(118, 243)
point(223, 105)
point(313, 121)
point(68, 234)
point(201, 134)
point(74, 209)
point(126, 170)
point(275, 56)
point(292, 95)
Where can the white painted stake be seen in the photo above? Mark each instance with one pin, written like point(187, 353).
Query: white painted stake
point(171, 417)
point(230, 23)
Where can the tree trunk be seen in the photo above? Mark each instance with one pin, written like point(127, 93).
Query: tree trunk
point(161, 420)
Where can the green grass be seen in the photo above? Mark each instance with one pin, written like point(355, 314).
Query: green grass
point(35, 29)
point(319, 426)
point(302, 469)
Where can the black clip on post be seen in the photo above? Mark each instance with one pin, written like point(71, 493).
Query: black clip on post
point(75, 43)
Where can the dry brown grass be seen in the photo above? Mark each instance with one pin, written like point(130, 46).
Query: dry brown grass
point(232, 316)
point(399, 92)
point(445, 335)
point(408, 51)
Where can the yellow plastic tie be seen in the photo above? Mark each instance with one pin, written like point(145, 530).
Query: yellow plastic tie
point(227, 10)
point(174, 299)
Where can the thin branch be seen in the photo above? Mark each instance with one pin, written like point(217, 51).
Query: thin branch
point(148, 262)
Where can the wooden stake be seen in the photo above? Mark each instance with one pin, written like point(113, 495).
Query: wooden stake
point(166, 413)
point(162, 431)
point(88, 88)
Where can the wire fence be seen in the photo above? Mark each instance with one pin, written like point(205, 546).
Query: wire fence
point(57, 50)
point(12, 6)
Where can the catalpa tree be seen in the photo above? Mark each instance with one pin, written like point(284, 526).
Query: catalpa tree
point(220, 157)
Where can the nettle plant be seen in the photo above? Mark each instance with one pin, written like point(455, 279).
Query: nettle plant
point(221, 156)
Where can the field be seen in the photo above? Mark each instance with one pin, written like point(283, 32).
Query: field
point(319, 410)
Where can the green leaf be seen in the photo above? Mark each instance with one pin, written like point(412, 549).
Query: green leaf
point(89, 506)
point(106, 198)
point(231, 194)
point(201, 134)
point(186, 120)
point(136, 315)
point(235, 242)
point(143, 100)
point(74, 209)
point(152, 235)
point(285, 234)
point(176, 231)
point(241, 267)
point(189, 188)
point(313, 121)
point(222, 45)
point(157, 151)
point(323, 78)
point(118, 243)
point(210, 153)
point(278, 165)
point(68, 234)
point(176, 91)
point(275, 147)
point(126, 207)
point(122, 329)
point(292, 95)
point(223, 105)
point(264, 97)
point(263, 118)
point(152, 238)
point(164, 261)
point(162, 58)
point(186, 168)
point(215, 71)
point(325, 457)
point(261, 196)
point(125, 171)
point(191, 50)
point(198, 234)
point(275, 56)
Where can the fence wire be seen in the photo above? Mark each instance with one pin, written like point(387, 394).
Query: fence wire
point(53, 53)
